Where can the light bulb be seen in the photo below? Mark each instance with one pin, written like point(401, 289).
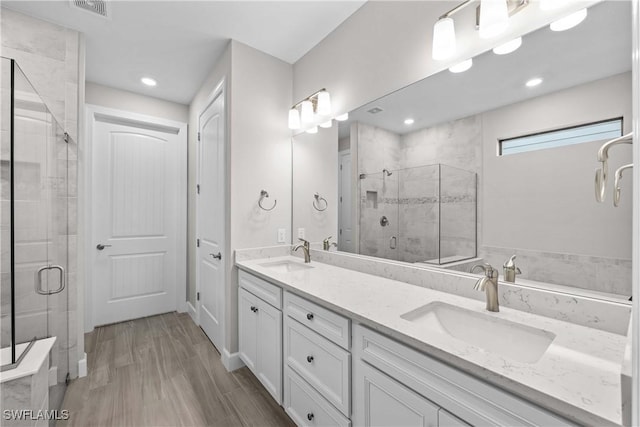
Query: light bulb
point(294, 119)
point(148, 81)
point(444, 39)
point(409, 121)
point(494, 18)
point(569, 21)
point(326, 125)
point(342, 117)
point(312, 130)
point(533, 82)
point(462, 67)
point(552, 4)
point(508, 47)
point(306, 111)
point(324, 103)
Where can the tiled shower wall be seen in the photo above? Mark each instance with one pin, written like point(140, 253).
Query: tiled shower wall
point(51, 58)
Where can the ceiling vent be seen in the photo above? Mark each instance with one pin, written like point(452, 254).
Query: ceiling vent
point(99, 7)
point(375, 110)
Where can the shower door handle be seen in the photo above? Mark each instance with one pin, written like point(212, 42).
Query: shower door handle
point(393, 241)
point(38, 280)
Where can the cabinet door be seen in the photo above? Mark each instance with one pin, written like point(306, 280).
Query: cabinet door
point(445, 419)
point(381, 401)
point(269, 368)
point(248, 328)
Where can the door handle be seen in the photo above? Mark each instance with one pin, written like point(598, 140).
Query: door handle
point(101, 246)
point(38, 280)
point(217, 256)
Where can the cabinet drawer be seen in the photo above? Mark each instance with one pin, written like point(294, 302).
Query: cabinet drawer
point(306, 407)
point(264, 290)
point(474, 401)
point(325, 322)
point(322, 363)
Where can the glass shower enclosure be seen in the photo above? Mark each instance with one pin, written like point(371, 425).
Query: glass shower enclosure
point(424, 214)
point(34, 162)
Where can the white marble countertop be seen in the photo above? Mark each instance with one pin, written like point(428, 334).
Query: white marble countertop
point(577, 377)
point(31, 362)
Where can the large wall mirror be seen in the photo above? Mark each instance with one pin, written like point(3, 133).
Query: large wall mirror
point(481, 165)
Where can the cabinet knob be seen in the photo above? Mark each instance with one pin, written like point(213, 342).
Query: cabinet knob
point(309, 316)
point(310, 416)
point(309, 359)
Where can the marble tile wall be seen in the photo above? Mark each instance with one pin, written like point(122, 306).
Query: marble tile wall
point(26, 393)
point(49, 55)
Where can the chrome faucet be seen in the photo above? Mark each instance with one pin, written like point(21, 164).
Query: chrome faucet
point(305, 248)
point(510, 270)
point(327, 243)
point(488, 283)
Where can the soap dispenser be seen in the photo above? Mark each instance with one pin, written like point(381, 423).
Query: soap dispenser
point(510, 270)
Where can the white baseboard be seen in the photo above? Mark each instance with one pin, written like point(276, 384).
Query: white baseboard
point(82, 366)
point(192, 312)
point(231, 361)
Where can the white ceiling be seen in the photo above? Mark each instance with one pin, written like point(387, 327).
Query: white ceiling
point(597, 48)
point(178, 42)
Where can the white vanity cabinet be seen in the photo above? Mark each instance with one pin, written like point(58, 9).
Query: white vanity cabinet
point(394, 382)
point(260, 331)
point(317, 389)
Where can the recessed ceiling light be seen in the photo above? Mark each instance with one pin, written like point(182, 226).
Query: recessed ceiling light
point(408, 121)
point(534, 82)
point(508, 47)
point(569, 21)
point(148, 81)
point(462, 67)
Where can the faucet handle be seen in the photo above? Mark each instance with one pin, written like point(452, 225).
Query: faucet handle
point(328, 239)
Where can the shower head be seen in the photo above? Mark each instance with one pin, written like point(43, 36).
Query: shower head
point(388, 172)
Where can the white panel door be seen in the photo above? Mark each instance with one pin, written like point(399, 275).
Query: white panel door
point(135, 213)
point(211, 223)
point(345, 233)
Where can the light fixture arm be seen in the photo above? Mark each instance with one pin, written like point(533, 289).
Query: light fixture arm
point(313, 97)
point(456, 9)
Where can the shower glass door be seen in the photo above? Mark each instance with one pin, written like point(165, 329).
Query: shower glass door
point(40, 229)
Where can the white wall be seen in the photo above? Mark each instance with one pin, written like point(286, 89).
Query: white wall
point(551, 192)
point(315, 170)
point(106, 96)
point(386, 45)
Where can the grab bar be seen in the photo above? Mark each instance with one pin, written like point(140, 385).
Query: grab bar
point(616, 184)
point(603, 157)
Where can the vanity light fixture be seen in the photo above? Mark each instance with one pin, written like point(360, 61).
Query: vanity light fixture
point(312, 130)
point(533, 82)
point(552, 4)
point(492, 19)
point(462, 67)
point(508, 47)
point(148, 81)
point(409, 121)
point(569, 22)
point(307, 110)
point(326, 124)
point(342, 117)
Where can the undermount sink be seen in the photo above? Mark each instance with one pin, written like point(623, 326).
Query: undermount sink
point(285, 266)
point(515, 341)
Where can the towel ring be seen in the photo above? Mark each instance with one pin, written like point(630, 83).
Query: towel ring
point(263, 195)
point(318, 199)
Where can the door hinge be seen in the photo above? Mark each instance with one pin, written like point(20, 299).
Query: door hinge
point(197, 296)
point(341, 231)
point(198, 136)
point(198, 188)
point(340, 167)
point(340, 199)
point(66, 137)
point(198, 243)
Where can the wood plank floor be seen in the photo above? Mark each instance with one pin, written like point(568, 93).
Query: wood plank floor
point(163, 371)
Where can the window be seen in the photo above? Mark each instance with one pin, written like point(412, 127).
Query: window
point(599, 131)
